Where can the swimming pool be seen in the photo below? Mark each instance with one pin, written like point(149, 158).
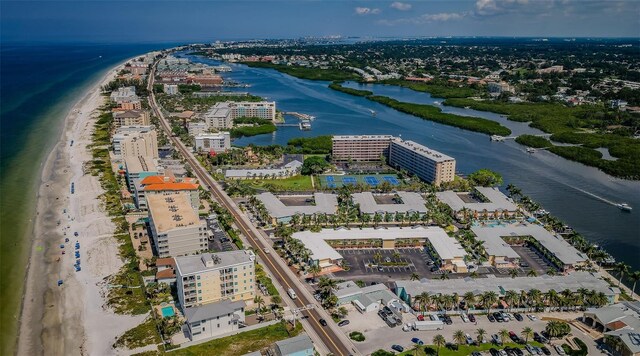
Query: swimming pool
point(168, 312)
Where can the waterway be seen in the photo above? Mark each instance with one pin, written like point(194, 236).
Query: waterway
point(579, 195)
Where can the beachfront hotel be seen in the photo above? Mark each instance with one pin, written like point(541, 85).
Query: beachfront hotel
point(131, 118)
point(429, 165)
point(175, 226)
point(134, 141)
point(212, 277)
point(446, 250)
point(165, 185)
point(360, 148)
point(216, 142)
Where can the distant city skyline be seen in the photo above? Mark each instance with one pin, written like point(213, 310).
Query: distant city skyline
point(196, 21)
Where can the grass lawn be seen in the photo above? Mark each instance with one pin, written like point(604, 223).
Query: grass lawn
point(242, 343)
point(465, 349)
point(141, 335)
point(296, 183)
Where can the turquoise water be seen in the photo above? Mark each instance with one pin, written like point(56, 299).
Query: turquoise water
point(168, 312)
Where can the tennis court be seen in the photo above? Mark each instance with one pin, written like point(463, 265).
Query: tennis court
point(331, 181)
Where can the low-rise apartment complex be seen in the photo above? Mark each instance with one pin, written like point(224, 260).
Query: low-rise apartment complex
point(131, 118)
point(214, 319)
point(212, 277)
point(175, 226)
point(219, 116)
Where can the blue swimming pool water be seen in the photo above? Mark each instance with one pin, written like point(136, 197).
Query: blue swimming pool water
point(168, 312)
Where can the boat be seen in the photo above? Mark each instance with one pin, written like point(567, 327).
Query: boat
point(467, 107)
point(624, 207)
point(497, 138)
point(437, 103)
point(373, 112)
point(531, 150)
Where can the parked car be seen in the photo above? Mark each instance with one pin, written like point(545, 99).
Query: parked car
point(518, 317)
point(545, 350)
point(494, 352)
point(476, 353)
point(323, 322)
point(343, 323)
point(496, 339)
point(505, 316)
point(397, 348)
point(464, 317)
point(472, 318)
point(421, 317)
point(434, 268)
point(540, 338)
point(524, 264)
point(469, 339)
point(513, 336)
point(451, 346)
point(498, 317)
point(532, 317)
point(510, 351)
point(530, 349)
point(387, 259)
point(415, 340)
point(537, 350)
point(559, 350)
point(518, 352)
point(447, 320)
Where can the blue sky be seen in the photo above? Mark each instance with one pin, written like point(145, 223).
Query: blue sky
point(165, 21)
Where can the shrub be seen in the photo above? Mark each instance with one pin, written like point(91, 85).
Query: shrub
point(357, 336)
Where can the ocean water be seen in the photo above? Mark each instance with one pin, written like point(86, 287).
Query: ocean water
point(39, 84)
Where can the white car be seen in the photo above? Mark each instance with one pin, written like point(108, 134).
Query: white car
point(465, 318)
point(559, 350)
point(532, 317)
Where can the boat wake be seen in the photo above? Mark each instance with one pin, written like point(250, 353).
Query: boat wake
point(597, 197)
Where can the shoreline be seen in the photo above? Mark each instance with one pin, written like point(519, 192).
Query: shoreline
point(53, 321)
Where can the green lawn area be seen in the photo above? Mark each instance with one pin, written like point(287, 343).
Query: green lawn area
point(141, 335)
point(464, 350)
point(329, 74)
point(296, 183)
point(242, 343)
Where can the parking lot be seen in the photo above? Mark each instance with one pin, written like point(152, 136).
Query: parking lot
point(380, 336)
point(533, 259)
point(364, 265)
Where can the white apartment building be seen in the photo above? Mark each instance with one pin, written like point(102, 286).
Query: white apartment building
point(198, 128)
point(217, 142)
point(429, 165)
point(212, 277)
point(262, 109)
point(171, 89)
point(124, 94)
point(129, 133)
point(214, 319)
point(219, 117)
point(175, 226)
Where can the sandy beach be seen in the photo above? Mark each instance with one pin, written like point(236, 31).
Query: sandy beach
point(71, 319)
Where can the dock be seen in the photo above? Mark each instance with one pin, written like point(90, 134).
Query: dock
point(299, 115)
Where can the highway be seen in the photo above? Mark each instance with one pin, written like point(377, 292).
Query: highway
point(334, 340)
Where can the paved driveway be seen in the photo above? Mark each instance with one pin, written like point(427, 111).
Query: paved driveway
point(413, 260)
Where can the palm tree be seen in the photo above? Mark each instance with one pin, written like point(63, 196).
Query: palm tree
point(469, 299)
point(557, 328)
point(535, 296)
point(426, 298)
point(621, 268)
point(504, 335)
point(487, 299)
point(552, 298)
point(445, 275)
point(377, 256)
point(459, 337)
point(527, 332)
point(634, 277)
point(532, 273)
point(396, 255)
point(511, 297)
point(439, 341)
point(480, 335)
point(314, 270)
point(513, 273)
point(258, 301)
point(416, 348)
point(326, 285)
point(414, 276)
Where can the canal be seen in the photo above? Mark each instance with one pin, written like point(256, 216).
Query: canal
point(581, 196)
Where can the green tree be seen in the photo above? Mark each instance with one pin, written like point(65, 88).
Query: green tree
point(459, 337)
point(504, 335)
point(486, 178)
point(314, 165)
point(414, 276)
point(527, 332)
point(439, 341)
point(480, 333)
point(556, 328)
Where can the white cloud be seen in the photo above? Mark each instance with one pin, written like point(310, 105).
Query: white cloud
point(426, 18)
point(402, 6)
point(494, 7)
point(443, 16)
point(367, 11)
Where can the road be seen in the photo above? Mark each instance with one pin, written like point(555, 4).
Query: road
point(334, 340)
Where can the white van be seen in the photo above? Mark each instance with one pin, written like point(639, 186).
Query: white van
point(291, 293)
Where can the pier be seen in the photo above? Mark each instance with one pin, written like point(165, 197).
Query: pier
point(300, 116)
point(499, 138)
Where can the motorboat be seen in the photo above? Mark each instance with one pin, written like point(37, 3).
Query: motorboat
point(624, 207)
point(531, 150)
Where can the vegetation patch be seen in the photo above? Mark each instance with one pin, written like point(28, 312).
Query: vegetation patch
point(533, 141)
point(356, 336)
point(330, 74)
point(257, 126)
point(337, 86)
point(310, 145)
point(295, 183)
point(437, 89)
point(141, 335)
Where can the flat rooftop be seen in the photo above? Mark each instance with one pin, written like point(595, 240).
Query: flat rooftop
point(361, 137)
point(243, 173)
point(325, 204)
point(495, 245)
point(198, 263)
point(497, 200)
point(140, 164)
point(411, 202)
point(423, 150)
point(447, 247)
point(544, 283)
point(171, 211)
